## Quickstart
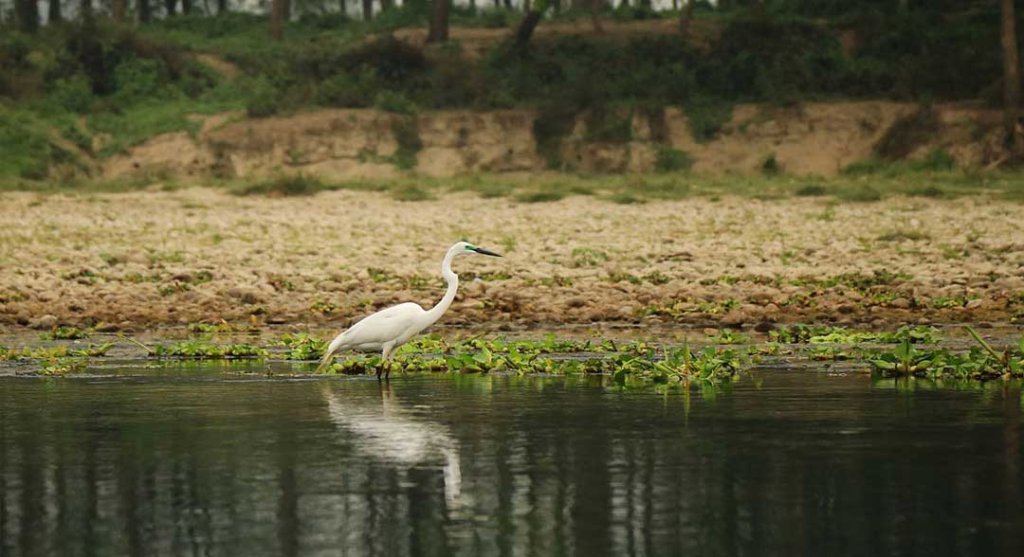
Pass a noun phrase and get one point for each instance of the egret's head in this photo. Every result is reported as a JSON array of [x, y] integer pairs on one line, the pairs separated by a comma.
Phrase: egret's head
[[466, 247]]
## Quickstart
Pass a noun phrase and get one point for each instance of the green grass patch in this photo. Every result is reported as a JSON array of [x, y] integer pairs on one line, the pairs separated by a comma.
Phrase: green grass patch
[[543, 196], [290, 185], [412, 192], [672, 160]]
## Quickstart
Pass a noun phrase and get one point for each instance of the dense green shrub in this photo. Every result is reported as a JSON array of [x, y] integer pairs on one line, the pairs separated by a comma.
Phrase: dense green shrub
[[926, 54], [672, 160], [774, 59], [133, 81], [24, 144]]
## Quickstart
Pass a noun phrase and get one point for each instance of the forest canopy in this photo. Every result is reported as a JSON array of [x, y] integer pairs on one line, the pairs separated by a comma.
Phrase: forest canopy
[[132, 70]]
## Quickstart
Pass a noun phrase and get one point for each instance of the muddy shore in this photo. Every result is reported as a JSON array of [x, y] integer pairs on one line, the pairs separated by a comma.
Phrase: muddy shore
[[142, 260]]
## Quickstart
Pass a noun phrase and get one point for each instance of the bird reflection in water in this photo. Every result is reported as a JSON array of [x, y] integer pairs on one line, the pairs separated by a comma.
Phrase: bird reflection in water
[[385, 432]]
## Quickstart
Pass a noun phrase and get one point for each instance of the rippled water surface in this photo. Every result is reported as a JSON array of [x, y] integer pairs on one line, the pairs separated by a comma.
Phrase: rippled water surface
[[789, 463]]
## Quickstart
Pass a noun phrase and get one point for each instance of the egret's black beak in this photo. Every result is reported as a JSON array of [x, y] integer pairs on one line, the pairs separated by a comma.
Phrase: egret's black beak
[[483, 251]]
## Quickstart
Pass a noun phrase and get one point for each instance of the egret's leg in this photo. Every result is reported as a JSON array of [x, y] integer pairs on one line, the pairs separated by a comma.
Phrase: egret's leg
[[386, 361]]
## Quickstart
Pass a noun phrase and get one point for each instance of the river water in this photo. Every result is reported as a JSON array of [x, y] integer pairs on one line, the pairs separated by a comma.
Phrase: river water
[[784, 462]]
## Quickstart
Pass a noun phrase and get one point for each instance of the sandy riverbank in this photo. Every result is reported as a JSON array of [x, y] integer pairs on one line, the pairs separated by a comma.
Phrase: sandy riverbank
[[145, 259]]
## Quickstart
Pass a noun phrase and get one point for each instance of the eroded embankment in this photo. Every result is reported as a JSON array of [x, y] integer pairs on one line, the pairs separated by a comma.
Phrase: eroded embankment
[[137, 260], [814, 138]]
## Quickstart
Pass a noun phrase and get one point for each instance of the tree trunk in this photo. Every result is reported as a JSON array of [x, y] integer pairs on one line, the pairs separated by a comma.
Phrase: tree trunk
[[145, 11], [277, 20], [1011, 79], [27, 12], [86, 7], [367, 10], [169, 6], [117, 10], [526, 27], [386, 5], [222, 7], [286, 11], [343, 6], [595, 14], [438, 22], [186, 7], [55, 14], [687, 16]]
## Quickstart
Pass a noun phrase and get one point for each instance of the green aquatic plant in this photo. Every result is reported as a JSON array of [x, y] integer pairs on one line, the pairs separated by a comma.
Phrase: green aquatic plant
[[980, 362], [64, 366], [1009, 363], [65, 332], [550, 344], [813, 334], [728, 336], [91, 350], [202, 350], [946, 302], [57, 360], [54, 352], [630, 360], [209, 328], [830, 353], [907, 360], [302, 346]]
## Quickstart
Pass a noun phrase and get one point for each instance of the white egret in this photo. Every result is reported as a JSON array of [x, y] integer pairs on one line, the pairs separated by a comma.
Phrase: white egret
[[392, 327]]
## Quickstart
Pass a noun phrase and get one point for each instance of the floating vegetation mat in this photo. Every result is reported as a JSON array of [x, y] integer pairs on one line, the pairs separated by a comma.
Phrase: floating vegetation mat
[[722, 356]]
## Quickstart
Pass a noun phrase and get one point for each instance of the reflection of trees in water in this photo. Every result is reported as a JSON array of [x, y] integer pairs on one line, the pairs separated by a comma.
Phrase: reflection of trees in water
[[288, 469]]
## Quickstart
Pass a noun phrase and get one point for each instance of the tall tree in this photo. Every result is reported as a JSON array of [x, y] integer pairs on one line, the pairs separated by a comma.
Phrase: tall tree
[[277, 19], [596, 7], [367, 10], [170, 6], [117, 10], [529, 23], [686, 17], [54, 12], [145, 10], [222, 7], [438, 32], [86, 7], [343, 6], [186, 7], [1011, 78], [27, 12], [386, 5]]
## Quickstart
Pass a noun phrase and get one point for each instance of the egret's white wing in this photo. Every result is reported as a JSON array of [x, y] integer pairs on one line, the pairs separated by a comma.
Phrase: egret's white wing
[[384, 326]]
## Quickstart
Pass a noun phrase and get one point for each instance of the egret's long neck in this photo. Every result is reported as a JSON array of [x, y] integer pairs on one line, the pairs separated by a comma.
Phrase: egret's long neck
[[452, 279]]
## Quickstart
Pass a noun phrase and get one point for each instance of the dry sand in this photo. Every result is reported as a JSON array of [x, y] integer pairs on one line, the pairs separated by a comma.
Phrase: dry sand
[[140, 260]]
